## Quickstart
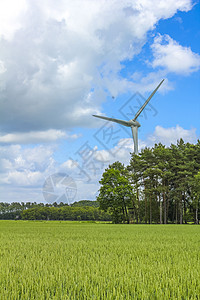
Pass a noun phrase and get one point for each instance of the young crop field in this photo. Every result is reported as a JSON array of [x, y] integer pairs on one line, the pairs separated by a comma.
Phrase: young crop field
[[72, 260]]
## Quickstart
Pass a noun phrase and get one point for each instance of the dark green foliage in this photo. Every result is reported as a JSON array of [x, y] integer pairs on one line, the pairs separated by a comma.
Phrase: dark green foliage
[[85, 203], [82, 210], [65, 213], [116, 193], [164, 178], [160, 185]]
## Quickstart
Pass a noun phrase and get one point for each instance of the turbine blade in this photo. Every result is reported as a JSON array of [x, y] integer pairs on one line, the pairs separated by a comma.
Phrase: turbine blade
[[147, 101], [135, 138], [125, 123]]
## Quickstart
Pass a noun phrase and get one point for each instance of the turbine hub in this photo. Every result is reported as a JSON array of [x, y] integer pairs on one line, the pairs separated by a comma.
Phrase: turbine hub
[[135, 123]]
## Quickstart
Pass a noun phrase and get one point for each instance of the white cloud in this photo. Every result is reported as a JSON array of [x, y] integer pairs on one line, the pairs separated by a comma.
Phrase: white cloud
[[146, 84], [2, 67], [16, 158], [170, 55], [35, 137], [10, 15], [59, 60], [27, 178], [25, 170], [69, 165], [170, 135]]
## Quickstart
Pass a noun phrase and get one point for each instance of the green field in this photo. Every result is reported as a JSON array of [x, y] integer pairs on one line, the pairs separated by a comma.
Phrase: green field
[[71, 260]]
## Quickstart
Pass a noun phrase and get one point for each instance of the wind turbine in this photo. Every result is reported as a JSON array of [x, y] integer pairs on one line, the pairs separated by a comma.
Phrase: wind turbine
[[132, 123]]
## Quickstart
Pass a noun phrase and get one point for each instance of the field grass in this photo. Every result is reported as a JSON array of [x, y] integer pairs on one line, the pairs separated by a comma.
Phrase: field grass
[[71, 260]]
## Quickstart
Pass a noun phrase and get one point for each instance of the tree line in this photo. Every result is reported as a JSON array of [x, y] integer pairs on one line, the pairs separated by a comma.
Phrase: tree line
[[160, 185], [82, 210]]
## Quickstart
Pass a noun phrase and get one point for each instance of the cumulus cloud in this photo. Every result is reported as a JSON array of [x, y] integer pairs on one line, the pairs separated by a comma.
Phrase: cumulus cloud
[[10, 15], [170, 55], [15, 157], [170, 135], [23, 172], [58, 61], [36, 137], [69, 164]]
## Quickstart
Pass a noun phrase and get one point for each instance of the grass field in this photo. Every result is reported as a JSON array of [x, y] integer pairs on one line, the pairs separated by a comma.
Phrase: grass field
[[71, 260]]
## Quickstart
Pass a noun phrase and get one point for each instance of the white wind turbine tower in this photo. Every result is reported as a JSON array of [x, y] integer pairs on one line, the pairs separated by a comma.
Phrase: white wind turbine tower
[[132, 123]]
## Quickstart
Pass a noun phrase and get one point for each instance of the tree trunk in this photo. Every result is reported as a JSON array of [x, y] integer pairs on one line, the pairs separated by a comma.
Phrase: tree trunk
[[126, 213], [181, 211], [167, 204], [124, 216], [165, 208], [160, 209], [176, 212], [138, 206], [184, 204], [196, 219], [150, 211], [145, 209]]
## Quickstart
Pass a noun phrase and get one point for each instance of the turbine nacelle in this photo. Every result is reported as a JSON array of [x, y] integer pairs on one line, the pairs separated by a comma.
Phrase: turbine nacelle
[[134, 123]]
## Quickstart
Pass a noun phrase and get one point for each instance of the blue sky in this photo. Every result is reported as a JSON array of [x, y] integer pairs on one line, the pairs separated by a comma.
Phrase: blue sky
[[59, 64]]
